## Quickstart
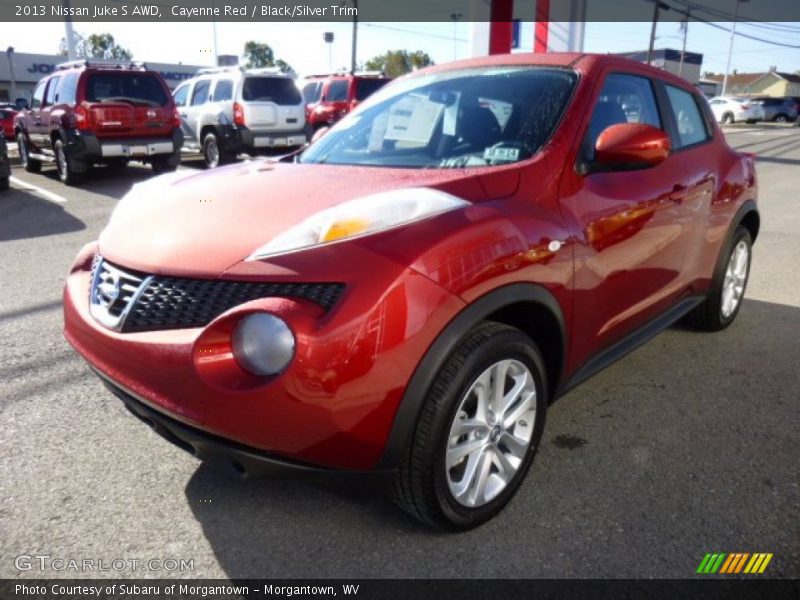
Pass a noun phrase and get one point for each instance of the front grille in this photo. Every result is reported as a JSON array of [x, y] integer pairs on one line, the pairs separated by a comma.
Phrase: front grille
[[173, 302]]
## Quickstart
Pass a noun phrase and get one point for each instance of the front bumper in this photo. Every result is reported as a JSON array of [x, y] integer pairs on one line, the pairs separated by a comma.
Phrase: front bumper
[[333, 407]]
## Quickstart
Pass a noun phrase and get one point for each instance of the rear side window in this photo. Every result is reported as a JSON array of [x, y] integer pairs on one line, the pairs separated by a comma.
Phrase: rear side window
[[623, 99], [138, 89], [337, 91], [280, 90], [688, 119], [5, 114], [312, 92], [181, 94], [223, 90], [38, 95], [200, 93], [366, 87], [68, 88], [51, 91]]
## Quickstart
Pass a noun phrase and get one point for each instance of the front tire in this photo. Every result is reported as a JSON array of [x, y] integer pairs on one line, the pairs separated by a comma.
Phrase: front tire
[[781, 118], [31, 165], [728, 286], [727, 119], [477, 432]]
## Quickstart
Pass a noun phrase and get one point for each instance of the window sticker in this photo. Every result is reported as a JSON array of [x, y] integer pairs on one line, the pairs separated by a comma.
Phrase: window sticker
[[413, 119]]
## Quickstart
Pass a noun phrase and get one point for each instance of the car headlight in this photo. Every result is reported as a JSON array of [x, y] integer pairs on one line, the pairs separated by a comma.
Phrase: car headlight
[[360, 217]]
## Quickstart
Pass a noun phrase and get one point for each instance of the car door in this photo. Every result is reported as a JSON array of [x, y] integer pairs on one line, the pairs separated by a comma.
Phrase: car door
[[46, 124], [34, 120], [628, 224], [181, 98], [195, 107]]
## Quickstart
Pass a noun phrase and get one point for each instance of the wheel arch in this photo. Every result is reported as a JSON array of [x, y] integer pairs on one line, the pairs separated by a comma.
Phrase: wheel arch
[[528, 307], [749, 218]]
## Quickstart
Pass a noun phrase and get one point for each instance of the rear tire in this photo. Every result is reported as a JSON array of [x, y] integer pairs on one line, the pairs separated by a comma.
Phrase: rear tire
[[464, 462], [727, 119], [726, 295], [31, 165], [66, 173], [213, 154], [781, 118]]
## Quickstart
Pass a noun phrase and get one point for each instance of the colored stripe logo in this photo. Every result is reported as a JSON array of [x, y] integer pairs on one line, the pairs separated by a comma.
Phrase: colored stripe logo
[[734, 562]]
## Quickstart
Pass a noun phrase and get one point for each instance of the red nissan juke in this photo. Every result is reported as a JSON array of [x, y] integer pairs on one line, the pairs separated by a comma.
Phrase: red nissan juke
[[406, 296]]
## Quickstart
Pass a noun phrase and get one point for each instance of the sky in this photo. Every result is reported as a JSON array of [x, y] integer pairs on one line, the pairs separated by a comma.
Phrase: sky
[[302, 45]]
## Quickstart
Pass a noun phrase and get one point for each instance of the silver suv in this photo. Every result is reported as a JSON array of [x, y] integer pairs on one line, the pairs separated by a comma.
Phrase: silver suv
[[227, 111]]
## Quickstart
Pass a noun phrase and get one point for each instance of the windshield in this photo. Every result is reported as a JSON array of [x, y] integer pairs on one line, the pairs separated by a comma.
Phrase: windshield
[[280, 90], [139, 89], [454, 119]]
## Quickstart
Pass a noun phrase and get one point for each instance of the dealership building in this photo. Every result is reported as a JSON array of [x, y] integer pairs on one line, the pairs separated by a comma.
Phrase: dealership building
[[19, 72]]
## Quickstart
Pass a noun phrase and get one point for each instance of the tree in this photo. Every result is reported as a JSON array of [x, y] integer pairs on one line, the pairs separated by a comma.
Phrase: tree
[[97, 45], [257, 55], [395, 63]]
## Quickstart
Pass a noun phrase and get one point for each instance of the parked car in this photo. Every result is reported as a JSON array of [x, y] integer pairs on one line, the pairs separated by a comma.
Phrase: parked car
[[88, 113], [405, 297], [7, 122], [330, 97], [227, 111], [5, 167], [780, 110], [731, 109]]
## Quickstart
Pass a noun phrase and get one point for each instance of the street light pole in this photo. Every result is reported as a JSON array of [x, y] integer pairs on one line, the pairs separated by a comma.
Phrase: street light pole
[[730, 46], [355, 37], [13, 90], [656, 4], [455, 17], [685, 27], [68, 33]]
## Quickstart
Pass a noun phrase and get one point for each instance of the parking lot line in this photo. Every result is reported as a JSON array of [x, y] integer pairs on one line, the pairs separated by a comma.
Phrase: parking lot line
[[28, 187]]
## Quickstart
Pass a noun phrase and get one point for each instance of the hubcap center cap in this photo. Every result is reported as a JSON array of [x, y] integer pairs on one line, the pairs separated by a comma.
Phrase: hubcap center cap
[[494, 434]]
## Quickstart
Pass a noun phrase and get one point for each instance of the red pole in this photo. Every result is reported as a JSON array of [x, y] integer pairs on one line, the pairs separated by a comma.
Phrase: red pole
[[500, 28], [542, 26]]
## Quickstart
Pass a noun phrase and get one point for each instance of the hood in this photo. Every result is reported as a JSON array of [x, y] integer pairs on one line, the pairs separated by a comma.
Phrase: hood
[[199, 224]]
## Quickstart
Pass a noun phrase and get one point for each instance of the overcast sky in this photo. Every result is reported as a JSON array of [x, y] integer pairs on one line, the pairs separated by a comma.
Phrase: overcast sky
[[302, 46]]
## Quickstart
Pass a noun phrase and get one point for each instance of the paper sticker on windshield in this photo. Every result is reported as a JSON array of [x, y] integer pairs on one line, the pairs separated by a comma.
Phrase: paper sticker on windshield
[[501, 154], [413, 119]]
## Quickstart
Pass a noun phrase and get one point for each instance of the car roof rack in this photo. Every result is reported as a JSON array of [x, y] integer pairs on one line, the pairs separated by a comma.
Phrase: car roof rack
[[95, 64], [346, 72], [257, 71]]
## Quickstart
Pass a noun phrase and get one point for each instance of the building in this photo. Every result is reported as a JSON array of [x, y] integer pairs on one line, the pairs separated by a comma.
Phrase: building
[[669, 59], [771, 83], [28, 69]]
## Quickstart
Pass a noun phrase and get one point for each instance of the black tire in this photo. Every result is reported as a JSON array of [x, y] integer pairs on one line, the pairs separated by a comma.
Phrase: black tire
[[66, 173], [4, 183], [781, 118], [162, 164], [421, 486], [213, 154], [728, 119], [31, 165], [709, 315]]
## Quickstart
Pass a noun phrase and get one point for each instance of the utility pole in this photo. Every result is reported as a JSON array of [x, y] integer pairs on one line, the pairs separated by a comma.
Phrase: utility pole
[[455, 17], [214, 33], [13, 90], [685, 28], [355, 38], [68, 33], [656, 6], [730, 46]]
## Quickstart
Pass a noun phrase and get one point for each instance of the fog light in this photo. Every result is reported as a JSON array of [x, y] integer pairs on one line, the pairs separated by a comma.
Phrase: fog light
[[263, 344]]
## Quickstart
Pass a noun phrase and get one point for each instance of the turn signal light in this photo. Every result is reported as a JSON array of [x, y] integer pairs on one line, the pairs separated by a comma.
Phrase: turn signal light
[[238, 114]]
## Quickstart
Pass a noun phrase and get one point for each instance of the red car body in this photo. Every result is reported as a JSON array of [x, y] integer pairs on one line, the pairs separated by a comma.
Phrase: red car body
[[589, 265], [7, 122], [331, 97]]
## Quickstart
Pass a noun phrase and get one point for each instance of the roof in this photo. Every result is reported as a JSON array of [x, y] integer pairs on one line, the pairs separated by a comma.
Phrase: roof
[[745, 79]]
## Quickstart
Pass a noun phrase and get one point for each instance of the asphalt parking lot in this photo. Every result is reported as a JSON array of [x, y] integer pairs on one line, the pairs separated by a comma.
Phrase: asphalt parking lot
[[689, 445]]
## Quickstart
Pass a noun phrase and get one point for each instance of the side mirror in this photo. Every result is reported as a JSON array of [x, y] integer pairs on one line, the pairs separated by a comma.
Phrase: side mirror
[[630, 146]]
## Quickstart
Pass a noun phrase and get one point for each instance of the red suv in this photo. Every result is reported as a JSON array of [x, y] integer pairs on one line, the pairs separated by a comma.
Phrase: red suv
[[86, 113], [7, 115], [330, 97], [407, 295]]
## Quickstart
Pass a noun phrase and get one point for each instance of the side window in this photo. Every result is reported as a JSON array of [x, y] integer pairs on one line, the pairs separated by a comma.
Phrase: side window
[[38, 95], [223, 90], [337, 91], [180, 95], [200, 94], [50, 97], [691, 125], [68, 89], [623, 99]]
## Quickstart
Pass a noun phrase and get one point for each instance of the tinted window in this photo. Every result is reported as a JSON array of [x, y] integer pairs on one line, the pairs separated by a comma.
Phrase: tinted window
[[6, 114], [690, 123], [38, 95], [200, 93], [312, 91], [139, 89], [366, 87], [337, 91], [51, 91], [280, 90], [454, 119], [180, 95], [623, 99], [68, 88], [223, 90]]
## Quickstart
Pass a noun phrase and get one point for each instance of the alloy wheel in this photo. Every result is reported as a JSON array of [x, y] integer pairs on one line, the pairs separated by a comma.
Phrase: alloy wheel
[[735, 279], [491, 433]]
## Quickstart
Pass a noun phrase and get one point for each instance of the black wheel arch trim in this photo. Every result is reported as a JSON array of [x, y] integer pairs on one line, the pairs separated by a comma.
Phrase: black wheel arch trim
[[416, 391], [749, 206]]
